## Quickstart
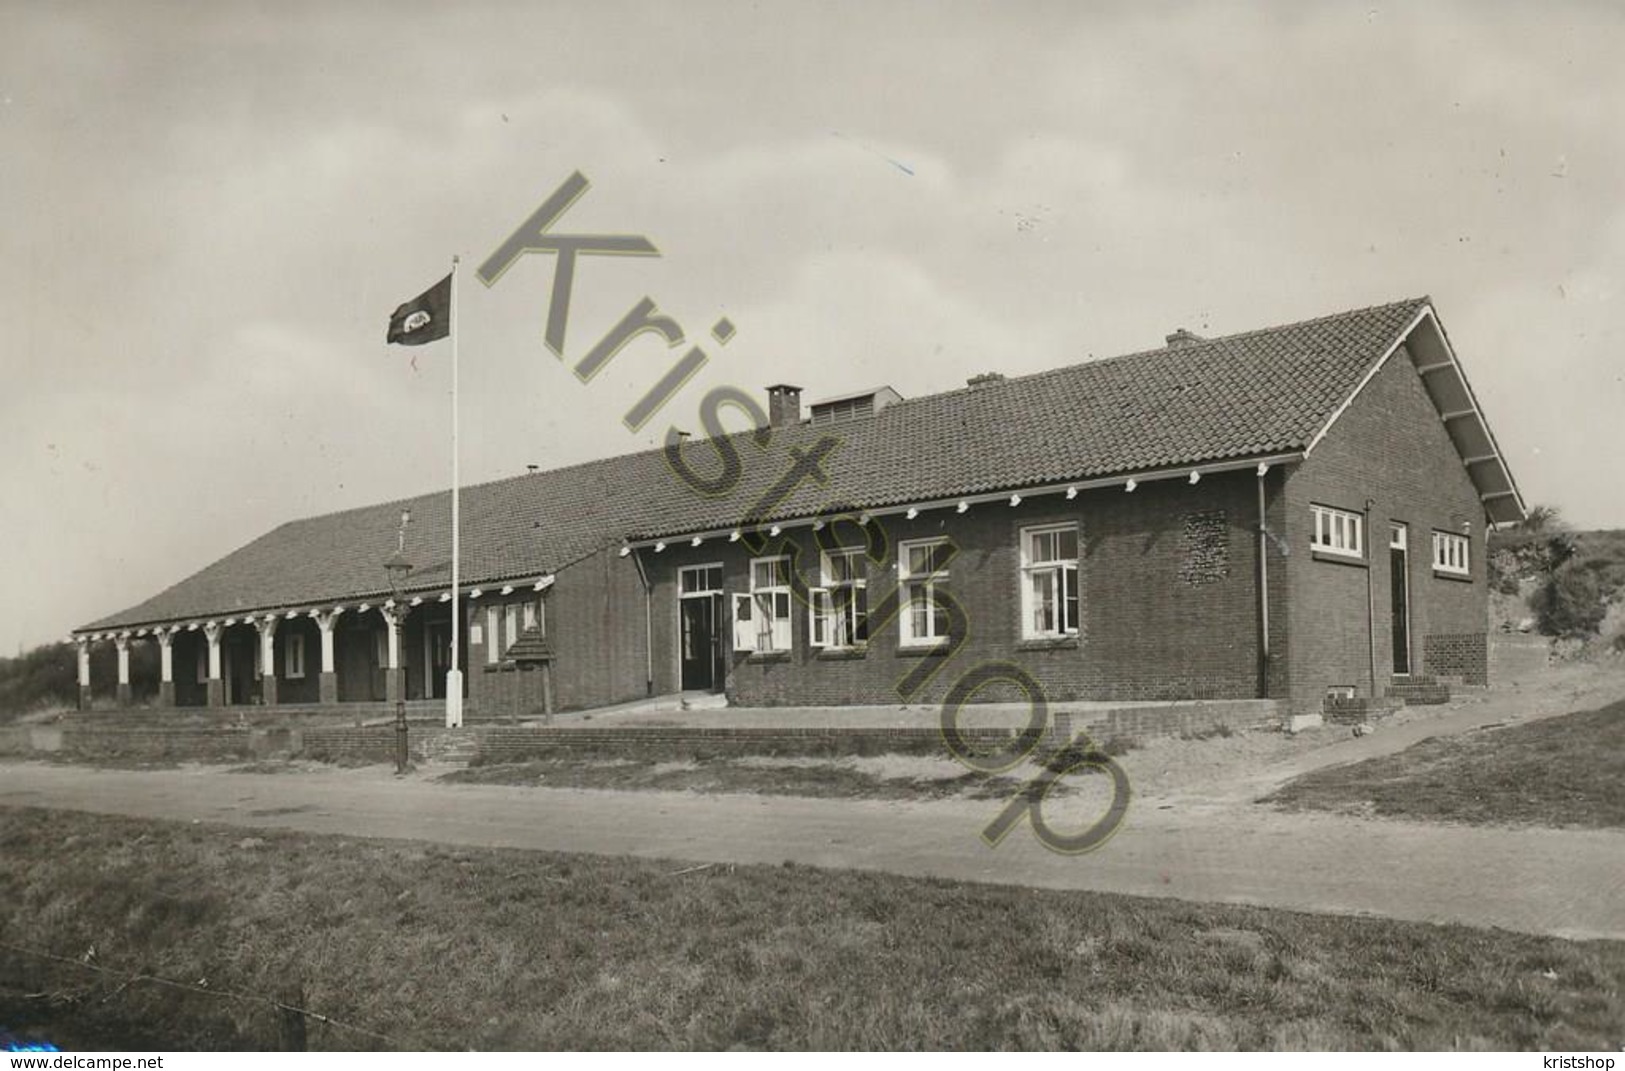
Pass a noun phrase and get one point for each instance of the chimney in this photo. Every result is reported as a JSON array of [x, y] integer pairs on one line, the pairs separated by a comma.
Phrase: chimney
[[783, 405], [984, 379], [1183, 337]]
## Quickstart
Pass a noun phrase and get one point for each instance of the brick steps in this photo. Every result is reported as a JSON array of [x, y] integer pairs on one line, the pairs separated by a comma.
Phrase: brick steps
[[1419, 690]]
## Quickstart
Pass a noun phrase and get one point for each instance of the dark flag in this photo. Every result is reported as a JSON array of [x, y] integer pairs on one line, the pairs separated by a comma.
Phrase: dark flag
[[425, 318]]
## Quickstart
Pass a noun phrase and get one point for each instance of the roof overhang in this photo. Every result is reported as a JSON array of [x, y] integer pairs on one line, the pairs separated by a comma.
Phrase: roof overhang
[[411, 596], [1434, 359], [1013, 496]]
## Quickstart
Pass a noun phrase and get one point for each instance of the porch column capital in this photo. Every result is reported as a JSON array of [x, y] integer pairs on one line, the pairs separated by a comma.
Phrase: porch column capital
[[325, 620], [267, 630], [211, 632], [121, 640], [394, 617], [166, 653]]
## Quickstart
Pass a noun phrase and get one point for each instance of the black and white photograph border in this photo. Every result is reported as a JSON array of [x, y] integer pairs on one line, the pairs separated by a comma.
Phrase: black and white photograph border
[[899, 526]]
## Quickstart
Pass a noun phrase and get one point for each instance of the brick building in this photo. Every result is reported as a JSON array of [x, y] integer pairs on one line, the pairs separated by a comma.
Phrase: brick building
[[1287, 513]]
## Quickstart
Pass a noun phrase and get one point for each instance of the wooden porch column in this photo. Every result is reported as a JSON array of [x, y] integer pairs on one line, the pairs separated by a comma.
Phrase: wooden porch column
[[394, 678], [122, 642], [216, 686], [83, 643], [166, 666], [267, 630], [328, 682]]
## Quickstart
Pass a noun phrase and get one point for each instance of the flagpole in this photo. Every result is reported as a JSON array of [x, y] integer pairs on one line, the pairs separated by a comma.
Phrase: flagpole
[[454, 675]]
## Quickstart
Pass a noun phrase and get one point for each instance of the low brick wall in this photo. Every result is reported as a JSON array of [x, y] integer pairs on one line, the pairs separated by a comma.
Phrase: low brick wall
[[372, 743], [149, 743], [1462, 655]]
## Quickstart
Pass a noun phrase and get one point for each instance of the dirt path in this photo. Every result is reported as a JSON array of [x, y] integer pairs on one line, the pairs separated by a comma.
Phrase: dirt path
[[1201, 773], [1569, 883]]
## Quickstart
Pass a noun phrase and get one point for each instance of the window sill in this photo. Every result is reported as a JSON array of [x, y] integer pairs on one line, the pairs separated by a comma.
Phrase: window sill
[[1340, 559], [1460, 578], [924, 650], [768, 656], [1049, 643], [842, 654]]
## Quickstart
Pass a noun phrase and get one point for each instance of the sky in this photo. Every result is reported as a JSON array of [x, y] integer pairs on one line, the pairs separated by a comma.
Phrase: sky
[[211, 210]]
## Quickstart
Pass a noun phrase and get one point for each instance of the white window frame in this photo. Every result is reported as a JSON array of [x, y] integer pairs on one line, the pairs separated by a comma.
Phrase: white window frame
[[838, 610], [1337, 531], [926, 583], [510, 621], [492, 621], [772, 603], [744, 622], [293, 656], [704, 587], [1452, 553], [1061, 574]]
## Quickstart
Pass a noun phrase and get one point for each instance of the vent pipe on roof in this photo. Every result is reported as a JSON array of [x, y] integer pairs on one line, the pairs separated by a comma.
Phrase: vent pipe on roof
[[783, 405], [1182, 337]]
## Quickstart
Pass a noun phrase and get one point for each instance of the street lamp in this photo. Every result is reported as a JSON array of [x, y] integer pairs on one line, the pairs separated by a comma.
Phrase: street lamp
[[399, 568]]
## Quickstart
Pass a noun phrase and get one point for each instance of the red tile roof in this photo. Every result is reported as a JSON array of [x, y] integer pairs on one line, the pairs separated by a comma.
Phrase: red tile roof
[[1255, 394]]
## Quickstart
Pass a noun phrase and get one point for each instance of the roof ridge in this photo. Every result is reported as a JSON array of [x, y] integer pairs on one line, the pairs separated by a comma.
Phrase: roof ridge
[[1096, 362]]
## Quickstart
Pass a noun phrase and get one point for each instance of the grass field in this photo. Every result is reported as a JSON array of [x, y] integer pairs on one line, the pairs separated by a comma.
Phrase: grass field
[[1563, 771], [422, 946]]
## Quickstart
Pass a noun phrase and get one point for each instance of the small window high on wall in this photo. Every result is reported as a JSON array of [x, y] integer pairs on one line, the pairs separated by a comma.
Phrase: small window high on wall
[[1338, 531]]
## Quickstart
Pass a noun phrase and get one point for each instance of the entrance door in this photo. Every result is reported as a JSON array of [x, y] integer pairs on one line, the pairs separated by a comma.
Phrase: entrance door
[[1399, 583], [439, 658], [239, 653], [700, 637]]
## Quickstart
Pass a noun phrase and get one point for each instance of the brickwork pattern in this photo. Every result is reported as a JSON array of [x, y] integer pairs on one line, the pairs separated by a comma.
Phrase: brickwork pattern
[[1145, 633], [1391, 448], [1207, 548], [1463, 655]]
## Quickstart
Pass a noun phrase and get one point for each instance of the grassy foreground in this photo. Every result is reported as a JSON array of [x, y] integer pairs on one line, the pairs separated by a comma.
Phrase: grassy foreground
[[444, 947], [1563, 771]]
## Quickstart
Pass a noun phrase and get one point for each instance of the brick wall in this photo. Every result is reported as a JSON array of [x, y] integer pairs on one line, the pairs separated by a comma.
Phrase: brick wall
[[1464, 655], [195, 745], [1169, 606], [596, 627], [1391, 447], [594, 613]]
